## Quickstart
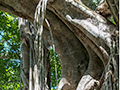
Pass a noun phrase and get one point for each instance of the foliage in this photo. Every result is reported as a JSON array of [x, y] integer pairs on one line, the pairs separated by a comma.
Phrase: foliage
[[9, 52], [112, 20], [54, 57], [9, 55]]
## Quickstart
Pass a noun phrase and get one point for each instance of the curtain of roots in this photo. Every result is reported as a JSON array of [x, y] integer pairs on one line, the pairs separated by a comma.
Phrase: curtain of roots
[[40, 57]]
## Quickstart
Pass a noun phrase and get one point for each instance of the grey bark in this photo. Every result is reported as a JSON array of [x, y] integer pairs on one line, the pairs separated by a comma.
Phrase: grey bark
[[82, 39], [30, 72]]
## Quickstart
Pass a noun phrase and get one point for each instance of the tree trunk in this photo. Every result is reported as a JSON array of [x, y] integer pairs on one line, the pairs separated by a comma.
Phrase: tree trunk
[[31, 68], [82, 40]]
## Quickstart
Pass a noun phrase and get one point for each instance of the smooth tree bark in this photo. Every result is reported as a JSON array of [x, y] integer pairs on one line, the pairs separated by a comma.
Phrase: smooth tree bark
[[82, 41]]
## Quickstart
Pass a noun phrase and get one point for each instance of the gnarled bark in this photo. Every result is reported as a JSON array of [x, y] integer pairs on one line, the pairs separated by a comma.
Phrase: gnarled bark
[[82, 39]]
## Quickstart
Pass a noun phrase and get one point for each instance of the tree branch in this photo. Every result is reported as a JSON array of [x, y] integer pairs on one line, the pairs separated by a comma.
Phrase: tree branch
[[14, 73]]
